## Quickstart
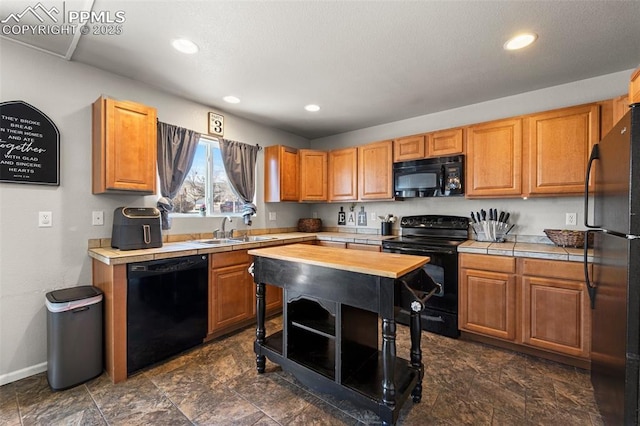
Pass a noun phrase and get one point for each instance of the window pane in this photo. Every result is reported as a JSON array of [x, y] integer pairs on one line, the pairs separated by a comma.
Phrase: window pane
[[191, 196], [206, 185]]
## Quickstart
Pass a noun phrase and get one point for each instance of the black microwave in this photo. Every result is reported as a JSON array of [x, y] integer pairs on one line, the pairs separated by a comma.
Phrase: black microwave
[[431, 177]]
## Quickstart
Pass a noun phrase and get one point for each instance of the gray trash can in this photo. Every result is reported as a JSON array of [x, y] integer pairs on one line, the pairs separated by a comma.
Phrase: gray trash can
[[74, 336]]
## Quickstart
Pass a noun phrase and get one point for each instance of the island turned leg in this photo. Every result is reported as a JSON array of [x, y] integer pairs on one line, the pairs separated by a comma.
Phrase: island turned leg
[[416, 353], [388, 362], [260, 331]]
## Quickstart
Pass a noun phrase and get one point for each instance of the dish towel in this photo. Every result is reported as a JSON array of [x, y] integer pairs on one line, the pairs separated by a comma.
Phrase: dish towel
[[248, 210], [165, 206]]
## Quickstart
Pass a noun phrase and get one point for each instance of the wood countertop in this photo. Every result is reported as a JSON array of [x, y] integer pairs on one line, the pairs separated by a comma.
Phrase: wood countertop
[[389, 265]]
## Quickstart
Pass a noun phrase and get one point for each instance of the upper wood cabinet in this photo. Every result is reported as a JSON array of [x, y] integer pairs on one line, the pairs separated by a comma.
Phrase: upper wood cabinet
[[611, 111], [559, 144], [634, 87], [444, 142], [313, 175], [124, 147], [281, 176], [343, 174], [409, 148], [375, 171], [494, 159]]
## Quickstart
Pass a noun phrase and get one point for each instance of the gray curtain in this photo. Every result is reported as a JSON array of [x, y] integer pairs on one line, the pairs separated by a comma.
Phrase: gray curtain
[[176, 149], [240, 164]]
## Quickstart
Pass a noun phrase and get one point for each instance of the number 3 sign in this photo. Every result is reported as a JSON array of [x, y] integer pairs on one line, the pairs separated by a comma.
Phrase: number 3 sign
[[216, 124]]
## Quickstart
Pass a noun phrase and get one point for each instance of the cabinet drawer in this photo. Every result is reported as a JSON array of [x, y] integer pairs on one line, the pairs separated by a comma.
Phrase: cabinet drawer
[[336, 244], [236, 257], [488, 263], [360, 246], [553, 269]]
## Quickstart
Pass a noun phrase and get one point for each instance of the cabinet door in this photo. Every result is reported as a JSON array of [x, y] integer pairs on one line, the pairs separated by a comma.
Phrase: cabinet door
[[559, 144], [634, 87], [231, 293], [313, 175], [487, 303], [409, 148], [281, 174], [375, 171], [444, 142], [124, 146], [556, 315], [335, 244], [343, 174], [494, 159]]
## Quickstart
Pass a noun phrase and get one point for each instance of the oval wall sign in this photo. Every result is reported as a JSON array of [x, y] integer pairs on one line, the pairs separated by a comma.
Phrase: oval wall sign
[[29, 145]]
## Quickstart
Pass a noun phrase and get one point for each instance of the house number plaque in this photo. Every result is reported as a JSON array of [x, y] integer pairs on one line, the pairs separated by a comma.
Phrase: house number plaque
[[216, 124]]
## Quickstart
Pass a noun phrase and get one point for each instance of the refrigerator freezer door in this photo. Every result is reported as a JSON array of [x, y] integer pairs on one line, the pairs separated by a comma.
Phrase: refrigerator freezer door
[[617, 193], [616, 328]]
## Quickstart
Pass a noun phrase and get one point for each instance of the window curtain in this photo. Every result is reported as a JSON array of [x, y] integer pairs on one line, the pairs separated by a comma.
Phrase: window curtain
[[239, 161], [176, 150]]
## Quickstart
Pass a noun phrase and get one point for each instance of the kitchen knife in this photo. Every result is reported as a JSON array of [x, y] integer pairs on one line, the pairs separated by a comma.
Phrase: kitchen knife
[[501, 217], [484, 214], [490, 214], [473, 218], [506, 217], [495, 214]]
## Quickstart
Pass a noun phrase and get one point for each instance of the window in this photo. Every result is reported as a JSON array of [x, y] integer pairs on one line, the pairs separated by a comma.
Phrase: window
[[206, 189]]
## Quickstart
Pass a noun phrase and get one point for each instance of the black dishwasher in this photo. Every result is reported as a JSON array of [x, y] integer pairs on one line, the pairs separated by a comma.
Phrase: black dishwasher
[[166, 308]]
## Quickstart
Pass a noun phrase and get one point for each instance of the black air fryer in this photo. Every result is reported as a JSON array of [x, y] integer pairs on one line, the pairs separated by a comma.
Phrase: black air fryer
[[136, 228]]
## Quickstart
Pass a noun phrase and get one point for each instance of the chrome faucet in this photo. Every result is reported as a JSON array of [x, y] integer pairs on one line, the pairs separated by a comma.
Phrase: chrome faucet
[[224, 221]]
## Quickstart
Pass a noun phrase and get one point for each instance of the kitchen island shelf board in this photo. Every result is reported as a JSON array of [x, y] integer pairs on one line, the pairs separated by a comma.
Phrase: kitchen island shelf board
[[333, 300]]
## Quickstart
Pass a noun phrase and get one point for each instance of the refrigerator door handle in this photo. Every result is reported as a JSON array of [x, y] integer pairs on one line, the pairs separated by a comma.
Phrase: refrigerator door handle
[[591, 286], [595, 155]]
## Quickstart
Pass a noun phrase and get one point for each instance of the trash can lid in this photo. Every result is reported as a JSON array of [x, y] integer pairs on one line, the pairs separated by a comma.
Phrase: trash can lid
[[73, 293]]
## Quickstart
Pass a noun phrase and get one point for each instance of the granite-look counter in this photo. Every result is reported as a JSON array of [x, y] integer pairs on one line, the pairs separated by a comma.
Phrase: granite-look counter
[[102, 251], [533, 250]]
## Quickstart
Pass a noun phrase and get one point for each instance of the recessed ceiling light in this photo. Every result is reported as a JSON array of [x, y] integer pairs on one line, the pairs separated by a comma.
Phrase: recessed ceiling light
[[184, 45], [312, 108], [520, 41], [231, 99]]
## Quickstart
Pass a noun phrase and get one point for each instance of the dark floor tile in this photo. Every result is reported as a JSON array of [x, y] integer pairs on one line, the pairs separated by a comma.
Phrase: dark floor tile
[[9, 414], [135, 401]]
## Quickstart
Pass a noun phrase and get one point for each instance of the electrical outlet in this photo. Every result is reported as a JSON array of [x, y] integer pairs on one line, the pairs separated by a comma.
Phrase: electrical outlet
[[272, 216], [571, 219], [97, 218], [374, 216], [315, 215], [45, 220]]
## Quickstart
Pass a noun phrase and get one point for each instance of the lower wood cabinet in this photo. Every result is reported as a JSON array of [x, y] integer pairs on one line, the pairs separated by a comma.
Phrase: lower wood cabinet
[[537, 304], [353, 246], [232, 299], [487, 295], [555, 307]]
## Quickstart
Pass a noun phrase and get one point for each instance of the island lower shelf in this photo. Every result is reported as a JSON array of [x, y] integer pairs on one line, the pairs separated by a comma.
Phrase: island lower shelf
[[365, 367]]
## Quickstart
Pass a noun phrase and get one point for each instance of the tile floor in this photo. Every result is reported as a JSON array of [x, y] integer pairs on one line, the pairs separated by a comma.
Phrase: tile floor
[[216, 384]]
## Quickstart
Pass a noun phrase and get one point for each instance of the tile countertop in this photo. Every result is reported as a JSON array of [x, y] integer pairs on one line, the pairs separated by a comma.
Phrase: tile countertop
[[535, 250], [110, 256], [106, 254]]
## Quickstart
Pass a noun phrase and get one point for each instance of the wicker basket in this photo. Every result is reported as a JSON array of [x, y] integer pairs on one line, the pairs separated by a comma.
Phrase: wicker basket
[[566, 238], [309, 225]]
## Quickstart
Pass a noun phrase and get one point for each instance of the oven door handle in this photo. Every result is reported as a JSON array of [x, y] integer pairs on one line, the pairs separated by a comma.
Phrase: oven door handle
[[417, 252]]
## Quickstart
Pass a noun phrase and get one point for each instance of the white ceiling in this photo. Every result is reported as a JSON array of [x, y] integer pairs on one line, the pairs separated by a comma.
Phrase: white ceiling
[[364, 62]]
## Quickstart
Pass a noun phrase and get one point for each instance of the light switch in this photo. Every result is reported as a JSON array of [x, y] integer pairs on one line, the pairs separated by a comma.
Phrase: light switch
[[97, 218], [272, 215]]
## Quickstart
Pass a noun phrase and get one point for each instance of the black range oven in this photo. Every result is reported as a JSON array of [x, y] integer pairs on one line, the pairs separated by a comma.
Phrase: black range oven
[[437, 237]]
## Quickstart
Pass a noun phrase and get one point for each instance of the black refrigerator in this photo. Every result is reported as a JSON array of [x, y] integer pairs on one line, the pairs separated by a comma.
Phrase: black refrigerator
[[614, 285]]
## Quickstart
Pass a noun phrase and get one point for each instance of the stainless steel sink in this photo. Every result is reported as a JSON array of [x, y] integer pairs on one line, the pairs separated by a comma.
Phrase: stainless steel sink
[[253, 238], [218, 241]]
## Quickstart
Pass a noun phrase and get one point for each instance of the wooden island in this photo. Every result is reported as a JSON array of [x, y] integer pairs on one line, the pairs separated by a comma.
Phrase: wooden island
[[334, 299]]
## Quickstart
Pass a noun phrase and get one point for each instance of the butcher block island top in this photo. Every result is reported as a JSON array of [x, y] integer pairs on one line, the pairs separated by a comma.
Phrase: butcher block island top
[[390, 265]]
